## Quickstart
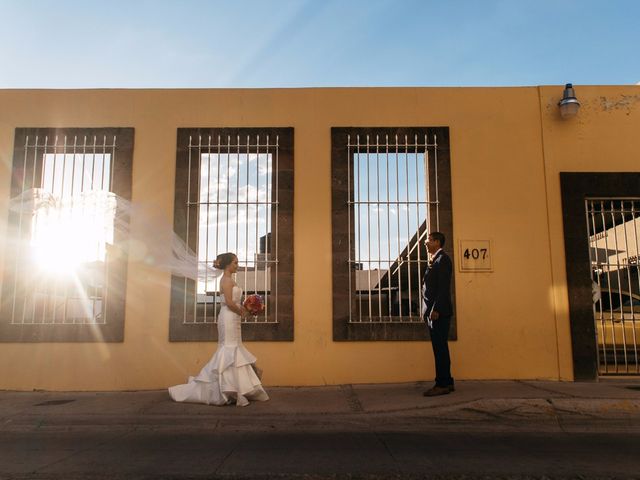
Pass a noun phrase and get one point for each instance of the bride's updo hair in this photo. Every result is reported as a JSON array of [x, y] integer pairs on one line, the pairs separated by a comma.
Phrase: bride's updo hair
[[223, 260]]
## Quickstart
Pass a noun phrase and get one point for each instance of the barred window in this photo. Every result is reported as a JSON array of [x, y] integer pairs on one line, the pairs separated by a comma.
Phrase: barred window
[[65, 273], [390, 188], [234, 193], [601, 244], [613, 228]]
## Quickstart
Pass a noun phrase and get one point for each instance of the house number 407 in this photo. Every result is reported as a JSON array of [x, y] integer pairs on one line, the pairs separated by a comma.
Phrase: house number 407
[[475, 253], [475, 256]]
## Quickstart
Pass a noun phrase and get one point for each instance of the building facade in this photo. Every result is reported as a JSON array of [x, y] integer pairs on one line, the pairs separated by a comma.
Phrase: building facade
[[326, 195]]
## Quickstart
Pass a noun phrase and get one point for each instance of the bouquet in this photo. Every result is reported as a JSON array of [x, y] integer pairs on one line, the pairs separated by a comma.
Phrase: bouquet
[[254, 304]]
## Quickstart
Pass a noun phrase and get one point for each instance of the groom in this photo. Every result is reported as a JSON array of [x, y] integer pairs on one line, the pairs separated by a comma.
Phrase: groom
[[437, 311]]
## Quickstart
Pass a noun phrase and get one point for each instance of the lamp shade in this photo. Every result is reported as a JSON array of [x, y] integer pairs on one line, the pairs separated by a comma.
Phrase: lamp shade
[[569, 105]]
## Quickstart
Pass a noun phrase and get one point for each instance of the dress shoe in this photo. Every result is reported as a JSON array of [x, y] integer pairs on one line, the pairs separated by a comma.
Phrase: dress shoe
[[435, 391]]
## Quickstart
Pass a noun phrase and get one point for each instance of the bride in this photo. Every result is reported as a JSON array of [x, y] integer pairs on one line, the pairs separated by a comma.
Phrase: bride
[[231, 375]]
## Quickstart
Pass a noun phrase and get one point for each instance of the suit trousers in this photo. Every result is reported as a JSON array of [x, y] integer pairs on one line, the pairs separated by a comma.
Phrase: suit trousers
[[439, 343]]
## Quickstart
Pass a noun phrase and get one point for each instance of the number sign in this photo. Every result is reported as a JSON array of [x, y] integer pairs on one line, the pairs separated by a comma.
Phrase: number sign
[[475, 256]]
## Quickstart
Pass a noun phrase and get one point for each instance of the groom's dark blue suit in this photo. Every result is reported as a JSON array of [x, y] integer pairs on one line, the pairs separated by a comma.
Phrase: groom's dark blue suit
[[437, 297]]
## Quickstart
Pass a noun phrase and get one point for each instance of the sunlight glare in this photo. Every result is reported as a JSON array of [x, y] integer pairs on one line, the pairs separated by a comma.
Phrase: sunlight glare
[[72, 233]]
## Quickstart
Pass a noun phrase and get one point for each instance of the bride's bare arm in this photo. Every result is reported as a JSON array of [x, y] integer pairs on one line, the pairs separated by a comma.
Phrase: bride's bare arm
[[226, 285]]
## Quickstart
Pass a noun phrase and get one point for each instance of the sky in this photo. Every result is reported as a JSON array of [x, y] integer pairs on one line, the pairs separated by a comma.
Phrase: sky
[[245, 181], [390, 196], [316, 43]]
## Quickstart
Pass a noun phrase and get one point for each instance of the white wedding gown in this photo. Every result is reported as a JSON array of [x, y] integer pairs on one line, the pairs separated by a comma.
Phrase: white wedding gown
[[229, 375]]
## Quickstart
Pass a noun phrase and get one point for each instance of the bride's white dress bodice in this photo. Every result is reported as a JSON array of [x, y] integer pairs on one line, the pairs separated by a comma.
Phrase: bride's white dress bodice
[[236, 294], [229, 323]]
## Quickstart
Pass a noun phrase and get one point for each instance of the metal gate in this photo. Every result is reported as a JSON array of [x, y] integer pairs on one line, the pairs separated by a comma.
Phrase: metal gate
[[614, 240]]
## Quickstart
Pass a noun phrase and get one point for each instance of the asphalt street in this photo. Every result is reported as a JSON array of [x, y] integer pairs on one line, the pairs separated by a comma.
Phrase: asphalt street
[[483, 430]]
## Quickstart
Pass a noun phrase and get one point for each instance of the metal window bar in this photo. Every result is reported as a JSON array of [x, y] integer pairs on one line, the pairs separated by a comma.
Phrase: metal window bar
[[390, 211], [236, 176], [60, 298], [398, 239], [613, 226]]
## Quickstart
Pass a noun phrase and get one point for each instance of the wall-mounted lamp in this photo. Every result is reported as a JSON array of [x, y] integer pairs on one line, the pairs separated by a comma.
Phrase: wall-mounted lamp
[[569, 104]]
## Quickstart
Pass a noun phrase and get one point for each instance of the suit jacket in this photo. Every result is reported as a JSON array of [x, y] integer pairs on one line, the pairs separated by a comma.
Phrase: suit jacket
[[437, 286]]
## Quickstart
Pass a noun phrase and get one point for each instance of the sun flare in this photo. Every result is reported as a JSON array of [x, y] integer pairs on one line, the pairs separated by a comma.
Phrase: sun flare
[[72, 233]]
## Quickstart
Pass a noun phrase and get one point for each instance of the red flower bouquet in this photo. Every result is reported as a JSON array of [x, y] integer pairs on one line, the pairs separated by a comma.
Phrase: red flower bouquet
[[254, 304]]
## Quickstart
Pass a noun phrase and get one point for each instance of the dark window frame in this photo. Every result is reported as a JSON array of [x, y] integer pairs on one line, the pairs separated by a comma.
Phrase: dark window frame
[[575, 187], [196, 332], [113, 330], [342, 329]]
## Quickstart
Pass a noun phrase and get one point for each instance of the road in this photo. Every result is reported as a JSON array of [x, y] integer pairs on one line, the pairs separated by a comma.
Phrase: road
[[514, 430]]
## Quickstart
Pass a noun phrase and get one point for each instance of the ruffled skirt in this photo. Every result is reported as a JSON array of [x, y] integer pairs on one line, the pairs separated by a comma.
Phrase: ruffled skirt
[[229, 377]]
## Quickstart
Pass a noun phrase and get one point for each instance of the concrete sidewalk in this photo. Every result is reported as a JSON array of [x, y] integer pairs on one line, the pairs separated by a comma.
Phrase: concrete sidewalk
[[534, 405], [495, 428]]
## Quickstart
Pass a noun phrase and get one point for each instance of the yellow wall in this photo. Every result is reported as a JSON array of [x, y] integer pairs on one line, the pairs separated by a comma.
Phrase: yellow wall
[[604, 137], [508, 146]]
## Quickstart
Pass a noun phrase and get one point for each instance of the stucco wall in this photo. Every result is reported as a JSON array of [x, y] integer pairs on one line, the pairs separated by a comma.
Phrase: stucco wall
[[508, 146], [602, 138]]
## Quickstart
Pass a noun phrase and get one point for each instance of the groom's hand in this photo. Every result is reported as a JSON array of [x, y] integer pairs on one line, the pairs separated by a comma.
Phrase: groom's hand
[[434, 315]]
